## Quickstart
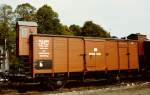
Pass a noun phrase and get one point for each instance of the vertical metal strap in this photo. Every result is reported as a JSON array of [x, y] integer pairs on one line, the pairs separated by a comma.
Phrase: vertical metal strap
[[53, 56], [68, 57]]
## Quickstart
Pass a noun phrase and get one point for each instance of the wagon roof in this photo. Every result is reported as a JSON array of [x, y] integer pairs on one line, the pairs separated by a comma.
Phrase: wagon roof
[[81, 37], [50, 35], [27, 23]]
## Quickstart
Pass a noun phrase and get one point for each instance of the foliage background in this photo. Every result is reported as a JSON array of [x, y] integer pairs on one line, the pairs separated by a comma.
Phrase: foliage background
[[48, 23]]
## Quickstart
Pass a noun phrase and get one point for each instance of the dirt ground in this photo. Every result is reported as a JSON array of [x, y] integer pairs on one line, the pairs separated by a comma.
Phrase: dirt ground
[[123, 89], [132, 90]]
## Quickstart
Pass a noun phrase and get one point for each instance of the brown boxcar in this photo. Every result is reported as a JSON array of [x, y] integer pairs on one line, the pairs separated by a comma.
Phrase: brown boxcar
[[65, 54], [24, 29]]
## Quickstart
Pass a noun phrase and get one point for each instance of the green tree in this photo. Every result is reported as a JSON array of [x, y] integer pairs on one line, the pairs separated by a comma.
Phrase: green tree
[[76, 29], [66, 30], [114, 37], [5, 20], [25, 12], [5, 13], [6, 31], [48, 21], [93, 30]]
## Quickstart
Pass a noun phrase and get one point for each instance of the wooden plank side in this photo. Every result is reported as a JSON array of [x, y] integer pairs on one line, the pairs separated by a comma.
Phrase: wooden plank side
[[60, 55], [111, 55], [133, 55], [76, 53], [42, 48], [95, 55], [123, 55]]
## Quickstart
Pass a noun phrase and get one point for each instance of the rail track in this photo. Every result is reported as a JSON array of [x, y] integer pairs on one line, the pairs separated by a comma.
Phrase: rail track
[[74, 86]]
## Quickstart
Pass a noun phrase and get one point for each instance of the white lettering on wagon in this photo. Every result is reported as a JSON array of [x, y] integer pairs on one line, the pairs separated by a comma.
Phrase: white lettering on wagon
[[43, 46], [95, 52]]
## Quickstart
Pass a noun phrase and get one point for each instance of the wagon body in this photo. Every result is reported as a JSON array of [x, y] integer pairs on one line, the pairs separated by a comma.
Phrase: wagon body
[[65, 54]]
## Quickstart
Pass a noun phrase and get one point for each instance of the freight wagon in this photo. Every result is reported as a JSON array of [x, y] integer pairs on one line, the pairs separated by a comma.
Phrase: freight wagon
[[54, 59], [82, 57]]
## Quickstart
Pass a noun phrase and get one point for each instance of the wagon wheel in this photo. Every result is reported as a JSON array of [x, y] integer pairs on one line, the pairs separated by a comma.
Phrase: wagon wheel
[[61, 84], [57, 84]]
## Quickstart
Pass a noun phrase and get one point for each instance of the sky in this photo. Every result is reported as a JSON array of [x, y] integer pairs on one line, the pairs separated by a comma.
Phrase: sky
[[119, 17]]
